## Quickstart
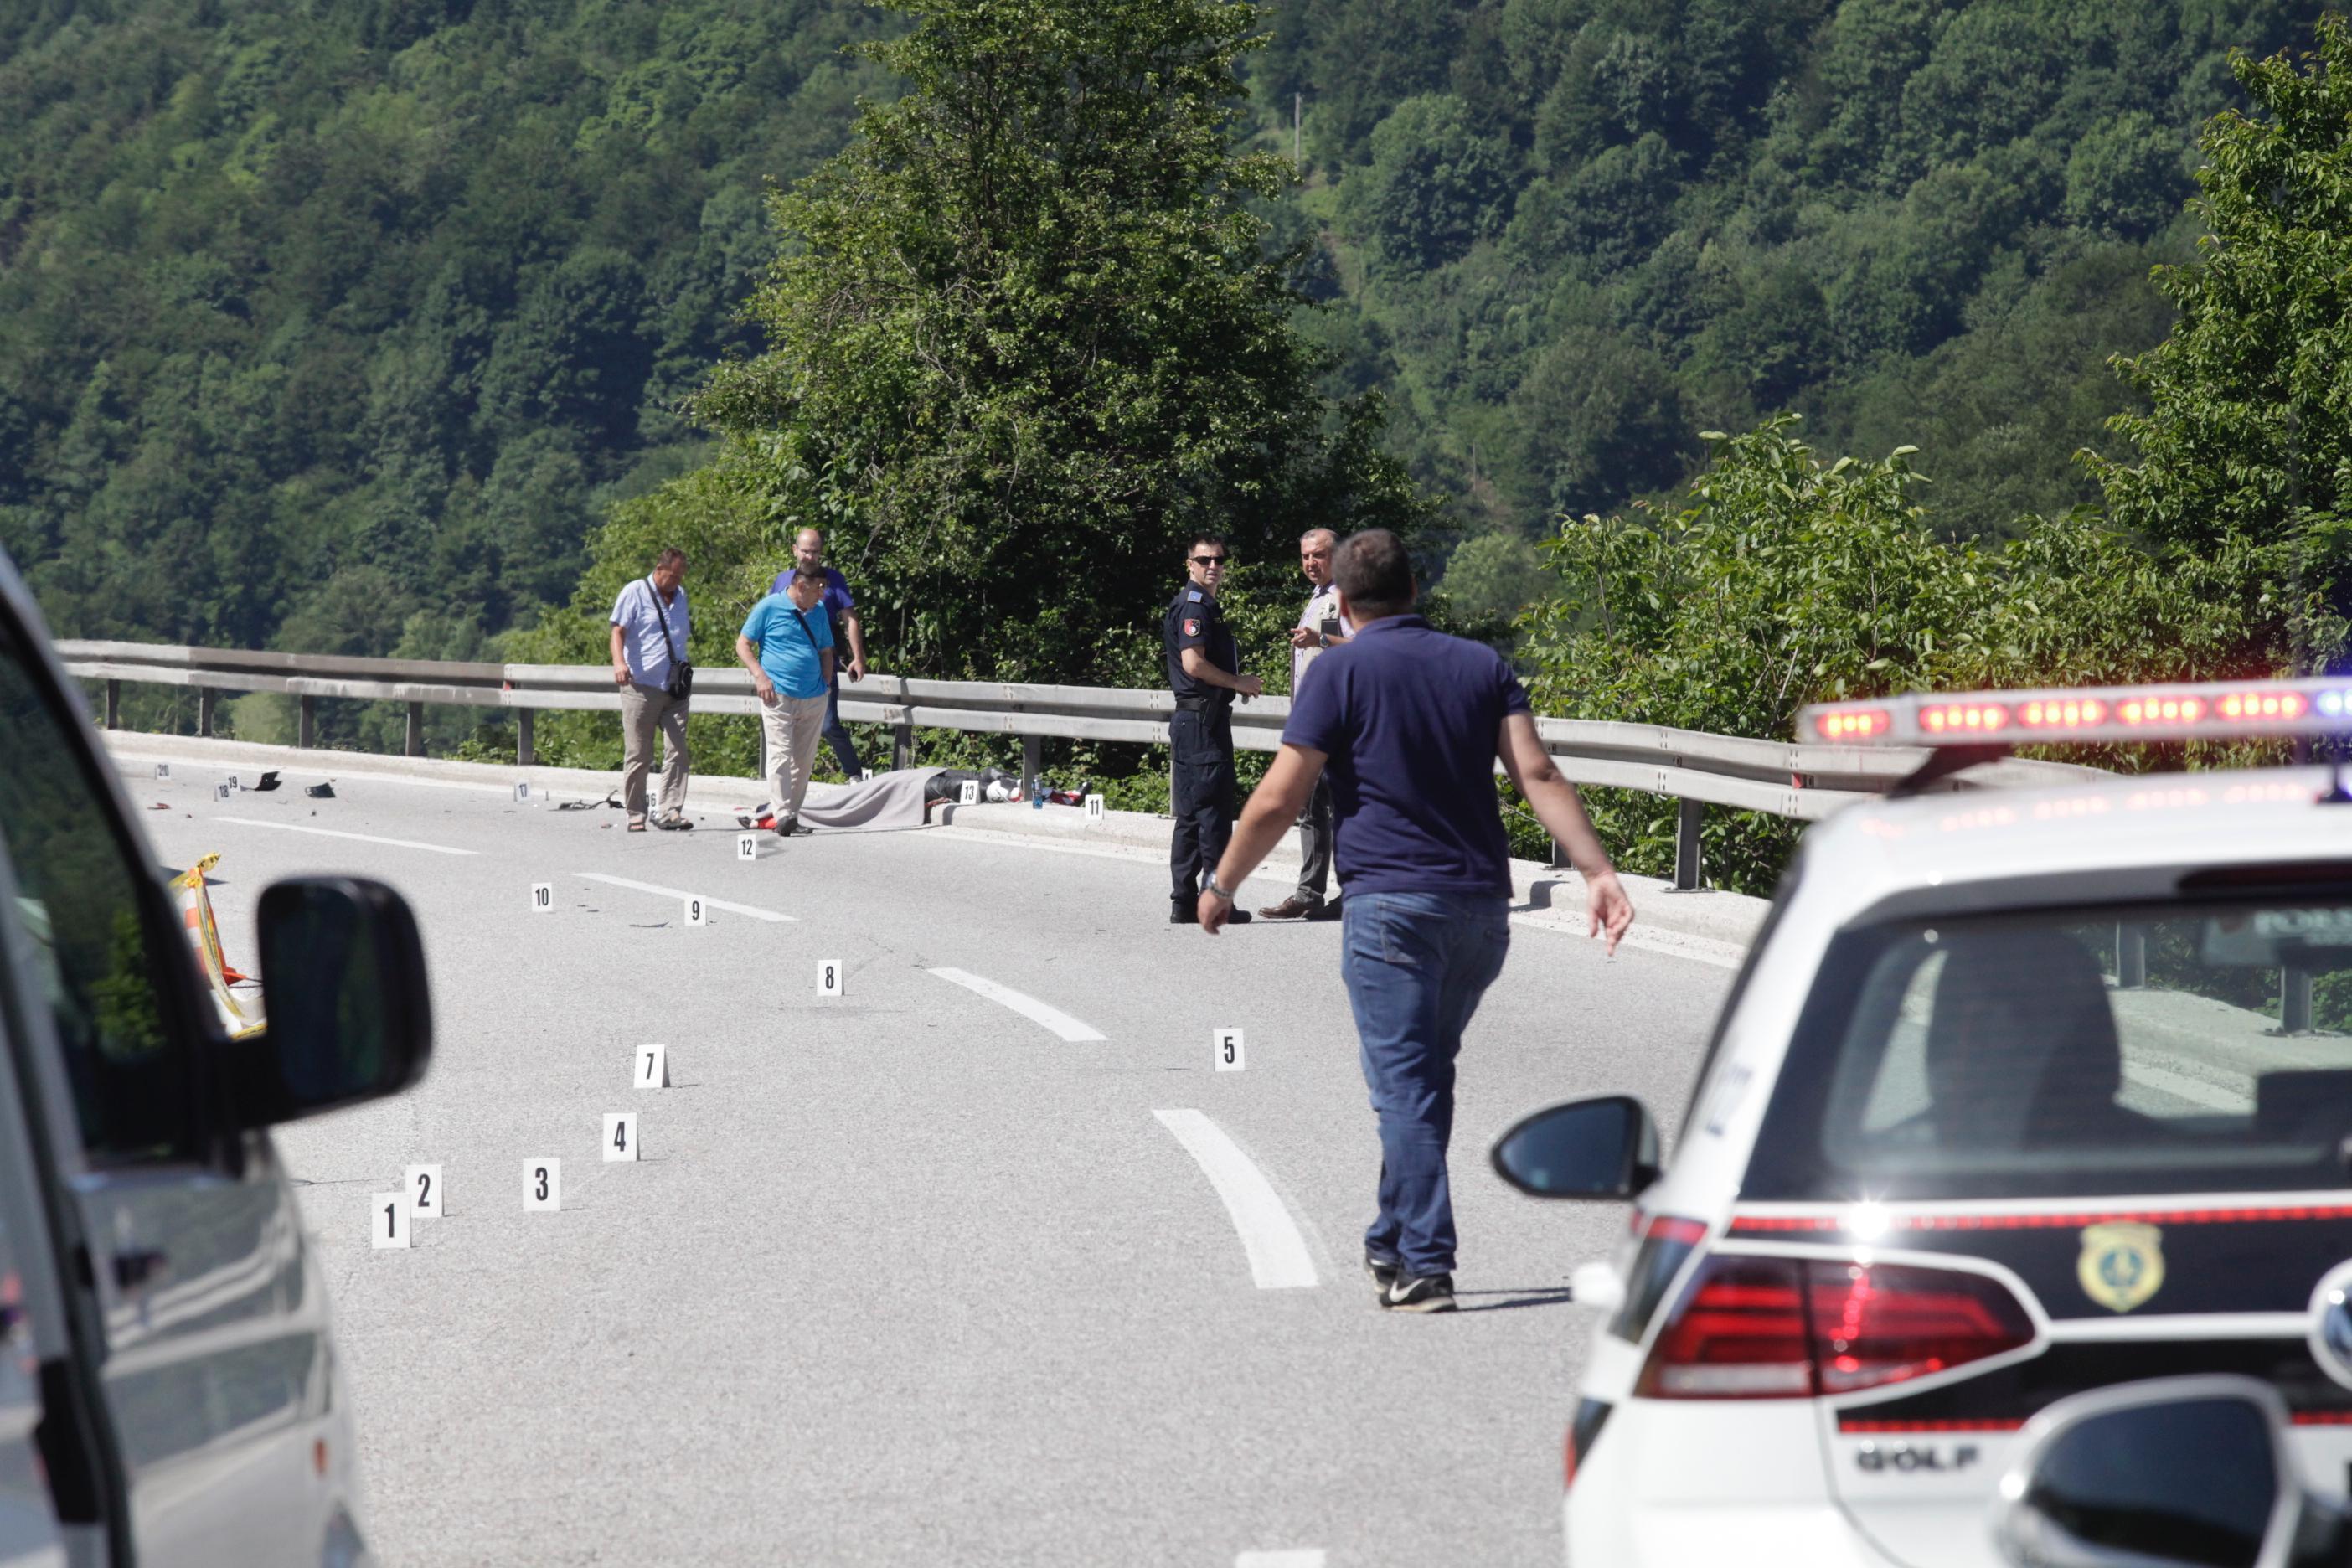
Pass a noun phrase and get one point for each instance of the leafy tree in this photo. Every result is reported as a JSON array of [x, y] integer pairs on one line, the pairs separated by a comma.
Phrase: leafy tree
[[1787, 580], [1434, 185], [1025, 335], [2247, 441]]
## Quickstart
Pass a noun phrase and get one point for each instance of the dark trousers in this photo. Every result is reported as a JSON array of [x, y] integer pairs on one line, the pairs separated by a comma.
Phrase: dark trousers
[[836, 735], [1415, 965], [1315, 841], [1202, 798]]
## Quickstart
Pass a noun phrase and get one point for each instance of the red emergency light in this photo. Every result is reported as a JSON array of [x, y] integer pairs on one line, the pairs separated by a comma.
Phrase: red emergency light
[[2188, 711]]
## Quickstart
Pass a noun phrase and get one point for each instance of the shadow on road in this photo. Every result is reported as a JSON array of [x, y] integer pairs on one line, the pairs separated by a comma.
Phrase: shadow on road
[[1555, 1295]]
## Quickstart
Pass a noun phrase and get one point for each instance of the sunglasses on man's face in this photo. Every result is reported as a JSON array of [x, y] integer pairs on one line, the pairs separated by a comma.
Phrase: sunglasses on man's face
[[1209, 560]]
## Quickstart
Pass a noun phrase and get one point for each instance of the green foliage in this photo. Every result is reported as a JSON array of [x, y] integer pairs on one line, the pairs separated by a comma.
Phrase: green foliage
[[317, 318], [1787, 580], [2247, 441], [1026, 334], [1901, 218]]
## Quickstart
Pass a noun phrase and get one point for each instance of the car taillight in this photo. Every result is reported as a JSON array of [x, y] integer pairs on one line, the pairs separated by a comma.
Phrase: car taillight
[[1738, 1332], [1880, 1325], [1591, 1416], [1785, 1328]]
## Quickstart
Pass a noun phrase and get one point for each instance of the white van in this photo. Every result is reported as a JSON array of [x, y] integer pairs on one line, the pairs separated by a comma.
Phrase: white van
[[168, 1393]]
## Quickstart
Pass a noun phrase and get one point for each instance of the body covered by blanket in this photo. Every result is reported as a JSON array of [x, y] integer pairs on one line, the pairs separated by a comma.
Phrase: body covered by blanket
[[879, 805]]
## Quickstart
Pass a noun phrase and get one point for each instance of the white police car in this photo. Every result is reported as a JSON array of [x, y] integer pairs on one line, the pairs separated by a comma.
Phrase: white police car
[[2003, 1108]]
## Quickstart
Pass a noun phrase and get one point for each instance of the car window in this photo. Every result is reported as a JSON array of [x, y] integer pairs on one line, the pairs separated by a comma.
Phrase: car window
[[78, 901], [2069, 1053]]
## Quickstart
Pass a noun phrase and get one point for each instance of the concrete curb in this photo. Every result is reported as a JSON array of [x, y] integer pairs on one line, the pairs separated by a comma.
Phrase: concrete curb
[[1711, 927]]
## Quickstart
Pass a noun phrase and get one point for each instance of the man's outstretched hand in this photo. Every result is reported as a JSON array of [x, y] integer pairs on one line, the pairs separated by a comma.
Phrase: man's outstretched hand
[[1612, 910]]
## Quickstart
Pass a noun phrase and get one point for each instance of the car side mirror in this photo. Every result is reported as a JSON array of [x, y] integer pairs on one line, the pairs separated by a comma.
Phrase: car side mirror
[[2186, 1471], [350, 1017], [1604, 1146]]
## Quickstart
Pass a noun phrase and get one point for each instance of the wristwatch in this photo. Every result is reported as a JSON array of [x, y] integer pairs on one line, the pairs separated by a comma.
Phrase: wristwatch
[[1224, 893]]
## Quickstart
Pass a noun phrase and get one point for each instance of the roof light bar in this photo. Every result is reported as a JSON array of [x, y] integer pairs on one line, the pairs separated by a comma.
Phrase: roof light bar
[[2190, 712]]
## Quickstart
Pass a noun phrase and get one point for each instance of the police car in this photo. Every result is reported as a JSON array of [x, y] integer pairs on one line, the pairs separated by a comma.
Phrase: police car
[[2019, 1095]]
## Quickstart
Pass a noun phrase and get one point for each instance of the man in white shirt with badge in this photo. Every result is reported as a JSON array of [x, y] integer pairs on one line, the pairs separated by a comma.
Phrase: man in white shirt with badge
[[1321, 625]]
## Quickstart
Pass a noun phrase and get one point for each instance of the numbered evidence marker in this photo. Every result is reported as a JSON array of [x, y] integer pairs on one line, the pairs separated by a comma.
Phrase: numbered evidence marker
[[220, 791], [542, 1185], [542, 898], [651, 1064], [747, 846], [388, 1219], [620, 1135], [968, 793], [695, 915], [522, 792], [233, 784], [1229, 1049], [424, 1184], [1093, 809], [829, 977], [163, 769]]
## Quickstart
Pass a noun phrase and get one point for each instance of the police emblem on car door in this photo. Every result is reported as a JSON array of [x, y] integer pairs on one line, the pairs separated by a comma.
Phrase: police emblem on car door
[[2122, 1264]]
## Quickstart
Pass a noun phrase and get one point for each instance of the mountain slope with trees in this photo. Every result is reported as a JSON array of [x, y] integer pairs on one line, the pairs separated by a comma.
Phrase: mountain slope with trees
[[341, 326]]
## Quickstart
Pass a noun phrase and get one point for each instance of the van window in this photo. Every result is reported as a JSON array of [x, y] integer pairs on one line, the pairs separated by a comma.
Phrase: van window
[[2069, 1053], [78, 901]]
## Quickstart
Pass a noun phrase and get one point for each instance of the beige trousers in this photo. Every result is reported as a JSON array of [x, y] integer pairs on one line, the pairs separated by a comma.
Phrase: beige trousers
[[646, 710], [793, 727]]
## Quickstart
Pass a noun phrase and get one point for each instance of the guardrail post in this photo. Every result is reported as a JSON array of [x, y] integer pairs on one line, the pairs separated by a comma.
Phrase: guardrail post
[[114, 705], [306, 731], [1687, 821], [416, 743], [204, 696], [2294, 1001], [1032, 762], [526, 749], [902, 746], [1558, 855], [2131, 958]]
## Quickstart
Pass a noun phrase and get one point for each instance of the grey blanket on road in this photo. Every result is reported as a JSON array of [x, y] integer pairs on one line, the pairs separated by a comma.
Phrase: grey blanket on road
[[882, 803]]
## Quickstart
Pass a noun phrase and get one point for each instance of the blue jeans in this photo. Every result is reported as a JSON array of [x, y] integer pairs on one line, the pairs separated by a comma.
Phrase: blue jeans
[[1415, 965]]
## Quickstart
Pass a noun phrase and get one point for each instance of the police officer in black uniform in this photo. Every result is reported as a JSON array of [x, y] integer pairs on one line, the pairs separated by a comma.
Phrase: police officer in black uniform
[[1205, 673]]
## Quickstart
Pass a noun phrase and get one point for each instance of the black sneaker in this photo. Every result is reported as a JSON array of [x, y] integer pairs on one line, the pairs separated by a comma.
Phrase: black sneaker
[[1384, 1272], [1180, 913], [1419, 1293]]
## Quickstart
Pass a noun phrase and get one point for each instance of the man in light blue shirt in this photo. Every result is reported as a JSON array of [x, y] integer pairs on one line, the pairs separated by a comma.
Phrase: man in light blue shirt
[[649, 627], [787, 645]]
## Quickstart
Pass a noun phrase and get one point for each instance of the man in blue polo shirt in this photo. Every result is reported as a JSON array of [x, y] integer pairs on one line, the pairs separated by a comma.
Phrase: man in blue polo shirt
[[848, 633], [1409, 723], [788, 647]]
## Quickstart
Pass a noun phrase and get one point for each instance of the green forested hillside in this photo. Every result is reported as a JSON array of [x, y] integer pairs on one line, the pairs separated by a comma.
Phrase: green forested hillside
[[339, 324], [1569, 234]]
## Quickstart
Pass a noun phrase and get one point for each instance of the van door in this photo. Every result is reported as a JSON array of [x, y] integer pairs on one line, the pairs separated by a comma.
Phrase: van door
[[36, 1348], [216, 1369]]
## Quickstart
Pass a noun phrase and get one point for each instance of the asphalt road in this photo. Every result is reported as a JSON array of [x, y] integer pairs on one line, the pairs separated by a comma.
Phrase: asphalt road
[[906, 1277]]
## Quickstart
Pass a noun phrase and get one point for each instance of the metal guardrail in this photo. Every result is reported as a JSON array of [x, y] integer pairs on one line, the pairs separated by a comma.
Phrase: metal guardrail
[[1697, 769]]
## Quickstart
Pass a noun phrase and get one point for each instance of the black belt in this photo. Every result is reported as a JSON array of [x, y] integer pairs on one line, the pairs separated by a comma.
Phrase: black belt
[[1202, 704]]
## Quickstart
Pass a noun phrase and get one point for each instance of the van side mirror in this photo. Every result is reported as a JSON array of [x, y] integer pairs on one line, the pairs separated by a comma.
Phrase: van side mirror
[[2186, 1471], [350, 1017], [1604, 1146]]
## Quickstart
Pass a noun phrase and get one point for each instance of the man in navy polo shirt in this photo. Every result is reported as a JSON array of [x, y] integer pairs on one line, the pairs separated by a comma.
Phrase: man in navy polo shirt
[[1409, 722]]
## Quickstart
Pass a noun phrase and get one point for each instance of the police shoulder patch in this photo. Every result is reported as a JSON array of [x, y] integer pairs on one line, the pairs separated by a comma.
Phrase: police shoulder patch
[[1192, 594], [1191, 628]]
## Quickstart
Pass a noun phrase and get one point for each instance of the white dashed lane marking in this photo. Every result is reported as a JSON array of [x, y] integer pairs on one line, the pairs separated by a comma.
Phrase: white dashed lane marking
[[332, 833], [1072, 1029], [753, 911], [1278, 1258]]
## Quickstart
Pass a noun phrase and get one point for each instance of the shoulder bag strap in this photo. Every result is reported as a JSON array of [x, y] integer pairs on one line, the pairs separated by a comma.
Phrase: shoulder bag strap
[[662, 610]]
